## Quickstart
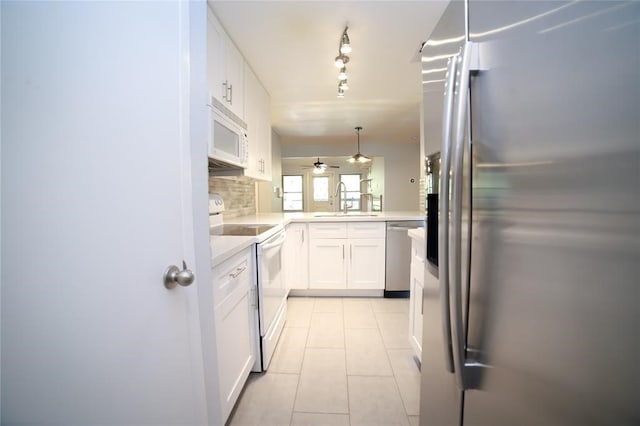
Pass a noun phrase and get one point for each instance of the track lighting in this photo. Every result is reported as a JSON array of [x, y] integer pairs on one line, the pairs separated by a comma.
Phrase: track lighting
[[341, 60]]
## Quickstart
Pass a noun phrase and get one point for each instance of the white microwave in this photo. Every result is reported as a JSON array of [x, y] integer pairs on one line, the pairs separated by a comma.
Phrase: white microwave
[[228, 141]]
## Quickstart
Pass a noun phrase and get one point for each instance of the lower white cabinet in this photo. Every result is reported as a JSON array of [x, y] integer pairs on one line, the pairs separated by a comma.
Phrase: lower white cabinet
[[347, 255], [234, 299], [296, 257], [366, 263], [416, 306], [417, 279], [327, 266]]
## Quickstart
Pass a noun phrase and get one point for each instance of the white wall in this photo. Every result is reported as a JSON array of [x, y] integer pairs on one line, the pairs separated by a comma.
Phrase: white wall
[[401, 165], [377, 178]]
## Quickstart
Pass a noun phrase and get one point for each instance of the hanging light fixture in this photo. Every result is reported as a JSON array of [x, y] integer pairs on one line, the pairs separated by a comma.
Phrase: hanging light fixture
[[341, 60], [359, 158]]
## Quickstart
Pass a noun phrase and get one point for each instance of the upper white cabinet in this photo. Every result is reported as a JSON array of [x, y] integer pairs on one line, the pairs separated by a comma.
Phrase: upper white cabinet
[[232, 82], [258, 118], [225, 67], [347, 255]]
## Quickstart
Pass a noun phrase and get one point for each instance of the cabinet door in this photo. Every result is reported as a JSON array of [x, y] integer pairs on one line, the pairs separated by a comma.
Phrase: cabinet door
[[296, 258], [234, 76], [215, 57], [234, 322], [366, 263], [225, 67], [257, 116], [415, 305], [264, 128], [252, 118], [327, 263]]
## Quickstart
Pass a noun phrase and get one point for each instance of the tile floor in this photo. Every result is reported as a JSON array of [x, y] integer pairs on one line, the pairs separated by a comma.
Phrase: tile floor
[[339, 361]]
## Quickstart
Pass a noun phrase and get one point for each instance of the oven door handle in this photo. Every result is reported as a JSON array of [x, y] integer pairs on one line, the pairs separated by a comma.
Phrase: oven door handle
[[278, 242]]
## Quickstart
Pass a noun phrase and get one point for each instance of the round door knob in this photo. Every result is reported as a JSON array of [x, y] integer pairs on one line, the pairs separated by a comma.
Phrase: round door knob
[[174, 276]]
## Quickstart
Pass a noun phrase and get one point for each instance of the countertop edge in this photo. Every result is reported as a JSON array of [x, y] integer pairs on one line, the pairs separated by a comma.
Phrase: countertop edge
[[286, 218], [223, 247]]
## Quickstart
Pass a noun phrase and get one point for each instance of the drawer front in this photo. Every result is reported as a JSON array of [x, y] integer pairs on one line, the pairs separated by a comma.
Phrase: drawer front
[[230, 274], [328, 230], [366, 230]]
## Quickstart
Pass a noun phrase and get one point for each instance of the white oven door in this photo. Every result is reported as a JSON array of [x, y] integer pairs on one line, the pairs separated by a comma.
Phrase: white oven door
[[271, 290]]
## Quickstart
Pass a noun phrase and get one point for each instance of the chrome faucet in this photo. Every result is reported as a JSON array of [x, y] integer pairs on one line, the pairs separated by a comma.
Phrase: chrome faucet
[[344, 199]]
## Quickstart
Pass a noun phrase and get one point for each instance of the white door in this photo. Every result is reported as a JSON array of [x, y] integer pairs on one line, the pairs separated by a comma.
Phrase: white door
[[101, 191], [321, 193]]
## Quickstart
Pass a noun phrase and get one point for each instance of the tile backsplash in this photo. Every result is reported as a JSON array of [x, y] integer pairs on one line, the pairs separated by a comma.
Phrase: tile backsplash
[[238, 193]]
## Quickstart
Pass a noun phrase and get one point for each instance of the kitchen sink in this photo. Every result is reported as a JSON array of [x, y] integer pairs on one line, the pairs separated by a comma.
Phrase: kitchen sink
[[345, 215]]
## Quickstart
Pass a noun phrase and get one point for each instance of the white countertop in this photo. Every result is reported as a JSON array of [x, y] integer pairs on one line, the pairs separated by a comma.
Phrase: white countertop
[[223, 247], [416, 233]]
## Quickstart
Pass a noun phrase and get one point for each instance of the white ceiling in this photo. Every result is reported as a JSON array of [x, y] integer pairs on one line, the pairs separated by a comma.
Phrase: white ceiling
[[291, 46]]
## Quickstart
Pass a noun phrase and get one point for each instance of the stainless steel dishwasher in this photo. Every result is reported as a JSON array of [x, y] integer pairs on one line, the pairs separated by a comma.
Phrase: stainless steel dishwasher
[[398, 257]]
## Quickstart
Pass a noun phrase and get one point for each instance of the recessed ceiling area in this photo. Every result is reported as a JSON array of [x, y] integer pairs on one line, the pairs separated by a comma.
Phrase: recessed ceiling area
[[291, 45]]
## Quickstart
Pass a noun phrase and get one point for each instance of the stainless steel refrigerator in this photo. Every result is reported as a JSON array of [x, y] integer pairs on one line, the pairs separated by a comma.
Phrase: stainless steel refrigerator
[[535, 317]]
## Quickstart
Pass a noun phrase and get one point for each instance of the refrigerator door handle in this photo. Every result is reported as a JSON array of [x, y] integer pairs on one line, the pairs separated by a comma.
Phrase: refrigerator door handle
[[466, 373], [443, 238]]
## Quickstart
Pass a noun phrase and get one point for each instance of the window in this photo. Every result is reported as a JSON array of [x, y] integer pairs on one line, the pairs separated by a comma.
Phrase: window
[[321, 188], [352, 183], [292, 193]]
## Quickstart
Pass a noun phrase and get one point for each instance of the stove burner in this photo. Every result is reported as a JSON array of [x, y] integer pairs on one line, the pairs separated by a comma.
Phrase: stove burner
[[240, 230]]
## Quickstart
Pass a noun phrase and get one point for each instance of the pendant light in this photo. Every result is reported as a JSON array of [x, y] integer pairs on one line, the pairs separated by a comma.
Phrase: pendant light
[[359, 158]]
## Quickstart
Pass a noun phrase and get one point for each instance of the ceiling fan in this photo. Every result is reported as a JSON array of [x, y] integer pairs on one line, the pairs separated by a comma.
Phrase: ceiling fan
[[320, 167]]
